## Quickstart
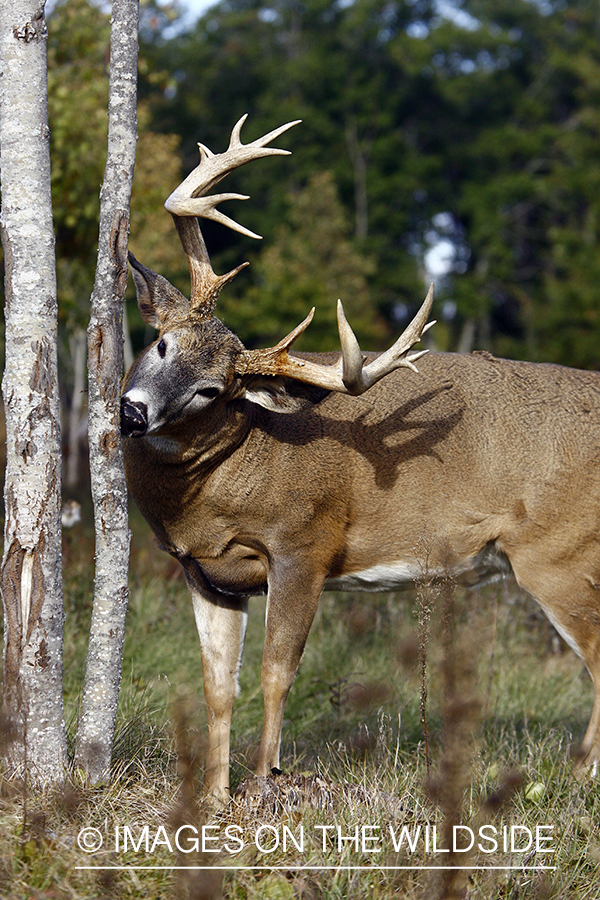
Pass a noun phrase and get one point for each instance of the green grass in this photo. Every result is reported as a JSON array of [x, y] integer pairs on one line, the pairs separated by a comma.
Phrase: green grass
[[498, 746]]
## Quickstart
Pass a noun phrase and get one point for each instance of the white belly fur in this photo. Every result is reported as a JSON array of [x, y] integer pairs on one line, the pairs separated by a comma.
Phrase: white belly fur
[[384, 577], [489, 564]]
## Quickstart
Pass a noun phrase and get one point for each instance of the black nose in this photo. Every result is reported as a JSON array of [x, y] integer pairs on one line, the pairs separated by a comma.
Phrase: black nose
[[134, 418]]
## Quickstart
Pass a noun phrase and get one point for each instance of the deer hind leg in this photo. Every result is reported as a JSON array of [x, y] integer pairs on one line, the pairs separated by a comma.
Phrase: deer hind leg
[[571, 600], [221, 623], [290, 614]]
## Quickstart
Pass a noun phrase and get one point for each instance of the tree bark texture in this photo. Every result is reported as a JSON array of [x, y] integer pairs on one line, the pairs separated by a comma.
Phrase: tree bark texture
[[105, 368], [31, 578]]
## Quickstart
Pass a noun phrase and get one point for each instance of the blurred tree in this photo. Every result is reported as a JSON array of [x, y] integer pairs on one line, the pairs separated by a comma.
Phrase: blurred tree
[[525, 86], [354, 74], [78, 51], [78, 59], [310, 263], [157, 173], [483, 116]]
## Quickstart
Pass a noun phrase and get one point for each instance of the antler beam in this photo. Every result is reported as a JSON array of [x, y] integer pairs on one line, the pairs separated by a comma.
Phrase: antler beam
[[349, 375], [191, 199]]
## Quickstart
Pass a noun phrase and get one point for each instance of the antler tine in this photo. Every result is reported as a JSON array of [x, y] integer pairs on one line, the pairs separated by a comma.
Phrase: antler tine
[[190, 200], [186, 200], [349, 375], [358, 378], [205, 208], [236, 142]]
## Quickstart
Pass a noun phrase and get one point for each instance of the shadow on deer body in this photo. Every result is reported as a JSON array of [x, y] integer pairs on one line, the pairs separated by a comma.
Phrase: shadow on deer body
[[268, 472]]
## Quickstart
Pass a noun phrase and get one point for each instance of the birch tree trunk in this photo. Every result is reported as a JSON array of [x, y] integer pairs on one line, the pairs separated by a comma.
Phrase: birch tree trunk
[[31, 578], [105, 368]]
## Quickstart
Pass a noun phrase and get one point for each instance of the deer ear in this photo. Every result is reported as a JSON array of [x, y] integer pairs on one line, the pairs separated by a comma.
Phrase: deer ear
[[283, 395], [157, 298]]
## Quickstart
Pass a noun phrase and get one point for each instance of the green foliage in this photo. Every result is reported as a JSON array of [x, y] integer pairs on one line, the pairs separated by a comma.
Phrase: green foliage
[[78, 59], [353, 74], [311, 262], [491, 119], [78, 53], [490, 116], [529, 198]]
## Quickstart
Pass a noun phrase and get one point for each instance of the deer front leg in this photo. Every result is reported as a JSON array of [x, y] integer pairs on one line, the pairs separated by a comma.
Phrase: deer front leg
[[221, 623], [290, 613]]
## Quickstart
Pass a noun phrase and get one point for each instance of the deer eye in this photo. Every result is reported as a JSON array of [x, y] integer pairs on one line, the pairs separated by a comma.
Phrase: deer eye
[[162, 348], [209, 393]]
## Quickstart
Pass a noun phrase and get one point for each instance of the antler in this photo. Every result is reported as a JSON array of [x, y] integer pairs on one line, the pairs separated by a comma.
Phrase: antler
[[189, 200], [349, 375]]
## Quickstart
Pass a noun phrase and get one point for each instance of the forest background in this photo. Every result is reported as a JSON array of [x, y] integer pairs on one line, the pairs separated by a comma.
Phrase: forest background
[[439, 138], [461, 133]]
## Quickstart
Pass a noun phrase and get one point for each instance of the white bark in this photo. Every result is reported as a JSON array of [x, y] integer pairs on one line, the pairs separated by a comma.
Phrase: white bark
[[31, 579], [105, 366]]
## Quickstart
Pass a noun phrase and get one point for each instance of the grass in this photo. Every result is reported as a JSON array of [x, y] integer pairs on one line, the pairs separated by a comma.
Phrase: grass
[[502, 710]]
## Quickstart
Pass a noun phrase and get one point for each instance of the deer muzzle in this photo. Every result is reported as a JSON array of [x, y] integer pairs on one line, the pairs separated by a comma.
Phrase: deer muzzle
[[134, 418]]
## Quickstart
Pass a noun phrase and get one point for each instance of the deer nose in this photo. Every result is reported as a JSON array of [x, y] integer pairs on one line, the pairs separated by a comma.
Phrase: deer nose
[[134, 418]]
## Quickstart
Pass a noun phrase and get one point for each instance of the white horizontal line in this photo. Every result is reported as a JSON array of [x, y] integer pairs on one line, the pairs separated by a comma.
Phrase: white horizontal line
[[326, 868]]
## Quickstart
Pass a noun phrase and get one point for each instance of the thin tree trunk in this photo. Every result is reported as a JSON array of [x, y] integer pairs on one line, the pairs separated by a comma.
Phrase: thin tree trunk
[[105, 367], [359, 167], [77, 344], [467, 336], [31, 578]]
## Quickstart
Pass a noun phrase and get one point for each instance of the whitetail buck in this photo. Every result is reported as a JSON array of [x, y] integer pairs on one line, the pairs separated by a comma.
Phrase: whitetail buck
[[264, 472]]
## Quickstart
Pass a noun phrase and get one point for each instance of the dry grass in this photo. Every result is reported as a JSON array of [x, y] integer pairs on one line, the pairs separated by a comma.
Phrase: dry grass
[[501, 708]]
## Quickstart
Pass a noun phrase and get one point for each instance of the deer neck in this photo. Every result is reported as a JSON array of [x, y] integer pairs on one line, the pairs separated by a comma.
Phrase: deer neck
[[205, 440]]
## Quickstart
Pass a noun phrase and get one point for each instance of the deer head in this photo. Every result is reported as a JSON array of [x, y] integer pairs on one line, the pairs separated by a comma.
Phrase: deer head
[[195, 359]]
